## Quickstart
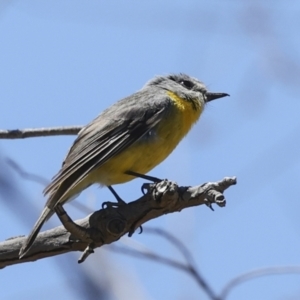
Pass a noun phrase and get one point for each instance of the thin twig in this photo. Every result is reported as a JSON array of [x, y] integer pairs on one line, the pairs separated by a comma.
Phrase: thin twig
[[43, 181], [279, 270], [189, 267], [187, 255], [25, 175], [173, 240], [38, 132]]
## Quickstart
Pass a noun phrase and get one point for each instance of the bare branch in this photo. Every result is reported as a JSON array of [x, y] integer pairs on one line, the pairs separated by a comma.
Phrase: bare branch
[[279, 270], [28, 176], [107, 225], [173, 240], [189, 267], [169, 262], [38, 132]]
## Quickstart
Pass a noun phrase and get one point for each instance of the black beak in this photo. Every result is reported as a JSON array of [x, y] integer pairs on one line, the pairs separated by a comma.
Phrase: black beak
[[213, 96]]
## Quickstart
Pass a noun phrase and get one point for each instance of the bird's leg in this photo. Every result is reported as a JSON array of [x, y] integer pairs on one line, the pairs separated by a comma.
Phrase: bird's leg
[[147, 177], [112, 204], [119, 199], [120, 202]]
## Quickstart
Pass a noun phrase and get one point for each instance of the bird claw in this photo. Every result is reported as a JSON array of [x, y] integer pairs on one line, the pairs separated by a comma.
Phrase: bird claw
[[108, 204], [141, 229], [132, 230], [145, 188], [209, 204]]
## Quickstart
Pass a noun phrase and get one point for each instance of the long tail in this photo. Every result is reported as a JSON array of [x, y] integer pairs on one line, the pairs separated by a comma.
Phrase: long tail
[[45, 215]]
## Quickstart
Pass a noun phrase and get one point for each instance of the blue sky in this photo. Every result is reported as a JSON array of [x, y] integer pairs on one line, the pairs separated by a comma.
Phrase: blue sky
[[63, 62]]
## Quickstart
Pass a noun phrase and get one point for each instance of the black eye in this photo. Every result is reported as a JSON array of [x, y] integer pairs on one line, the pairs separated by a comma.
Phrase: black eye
[[187, 84]]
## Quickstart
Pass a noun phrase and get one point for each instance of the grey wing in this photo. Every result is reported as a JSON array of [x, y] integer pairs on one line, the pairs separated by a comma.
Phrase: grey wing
[[102, 139]]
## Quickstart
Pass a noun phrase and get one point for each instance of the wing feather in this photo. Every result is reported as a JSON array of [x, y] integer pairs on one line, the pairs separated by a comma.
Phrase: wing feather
[[101, 140]]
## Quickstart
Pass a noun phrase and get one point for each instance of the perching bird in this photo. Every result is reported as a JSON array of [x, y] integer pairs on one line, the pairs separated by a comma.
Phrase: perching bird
[[131, 137]]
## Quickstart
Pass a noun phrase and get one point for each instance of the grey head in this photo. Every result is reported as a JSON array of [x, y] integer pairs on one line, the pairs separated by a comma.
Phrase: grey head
[[185, 86]]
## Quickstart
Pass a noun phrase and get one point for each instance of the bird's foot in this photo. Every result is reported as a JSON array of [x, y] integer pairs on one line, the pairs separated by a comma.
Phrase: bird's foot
[[109, 204]]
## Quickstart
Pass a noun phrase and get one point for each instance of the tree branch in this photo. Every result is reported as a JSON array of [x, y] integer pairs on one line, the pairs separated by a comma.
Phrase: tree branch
[[109, 224], [38, 132], [254, 274]]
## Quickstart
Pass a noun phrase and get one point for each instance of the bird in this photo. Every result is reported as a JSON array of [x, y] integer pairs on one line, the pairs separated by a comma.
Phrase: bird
[[127, 140]]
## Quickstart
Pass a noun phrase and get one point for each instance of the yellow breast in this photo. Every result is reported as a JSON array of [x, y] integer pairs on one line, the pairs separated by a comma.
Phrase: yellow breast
[[188, 112]]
